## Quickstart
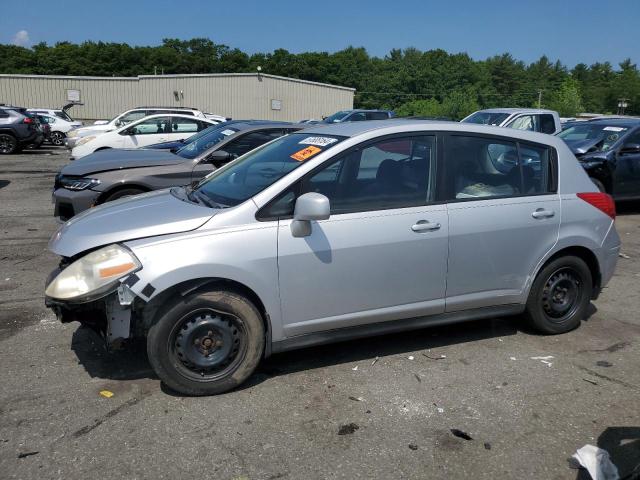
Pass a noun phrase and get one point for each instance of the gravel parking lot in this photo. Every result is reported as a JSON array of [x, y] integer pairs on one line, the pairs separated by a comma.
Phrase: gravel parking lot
[[384, 407]]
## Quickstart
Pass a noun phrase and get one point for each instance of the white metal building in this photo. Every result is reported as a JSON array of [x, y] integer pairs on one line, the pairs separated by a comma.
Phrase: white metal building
[[236, 95]]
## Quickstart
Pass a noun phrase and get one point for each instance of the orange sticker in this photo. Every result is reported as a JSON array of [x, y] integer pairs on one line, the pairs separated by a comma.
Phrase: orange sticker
[[305, 153]]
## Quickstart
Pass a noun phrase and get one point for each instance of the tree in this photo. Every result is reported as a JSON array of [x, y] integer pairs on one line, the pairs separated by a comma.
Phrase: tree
[[567, 100]]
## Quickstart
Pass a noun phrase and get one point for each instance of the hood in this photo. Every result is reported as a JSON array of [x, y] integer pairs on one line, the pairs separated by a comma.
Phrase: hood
[[146, 215], [580, 147], [94, 129], [118, 159]]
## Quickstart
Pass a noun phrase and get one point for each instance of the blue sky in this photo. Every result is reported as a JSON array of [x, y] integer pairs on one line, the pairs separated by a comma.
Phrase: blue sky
[[570, 30]]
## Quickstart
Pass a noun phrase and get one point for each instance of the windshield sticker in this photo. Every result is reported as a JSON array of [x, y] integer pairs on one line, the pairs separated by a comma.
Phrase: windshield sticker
[[319, 141], [227, 132], [613, 129], [305, 153]]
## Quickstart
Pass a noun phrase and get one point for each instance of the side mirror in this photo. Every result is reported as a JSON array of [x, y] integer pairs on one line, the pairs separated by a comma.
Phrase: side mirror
[[310, 206], [219, 157], [630, 148]]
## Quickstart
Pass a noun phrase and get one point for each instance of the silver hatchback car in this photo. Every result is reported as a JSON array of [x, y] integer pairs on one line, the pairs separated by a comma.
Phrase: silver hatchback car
[[338, 232]]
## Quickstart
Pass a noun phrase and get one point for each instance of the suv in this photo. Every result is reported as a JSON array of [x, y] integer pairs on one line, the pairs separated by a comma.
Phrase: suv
[[58, 120], [531, 119], [339, 232], [101, 126], [358, 116], [18, 129]]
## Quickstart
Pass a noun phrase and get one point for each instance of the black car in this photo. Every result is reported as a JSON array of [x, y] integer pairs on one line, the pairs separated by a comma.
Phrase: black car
[[18, 129], [609, 150]]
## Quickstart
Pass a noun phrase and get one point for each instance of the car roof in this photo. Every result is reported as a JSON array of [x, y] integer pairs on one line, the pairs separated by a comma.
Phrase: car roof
[[628, 122], [354, 129], [190, 117], [258, 124], [516, 110], [165, 108]]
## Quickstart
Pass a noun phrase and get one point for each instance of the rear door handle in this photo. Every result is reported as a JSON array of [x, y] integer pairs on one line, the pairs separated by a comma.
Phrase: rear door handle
[[425, 226], [542, 213]]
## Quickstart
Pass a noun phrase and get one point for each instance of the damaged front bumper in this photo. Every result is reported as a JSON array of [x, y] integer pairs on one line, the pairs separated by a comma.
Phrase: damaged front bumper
[[111, 315]]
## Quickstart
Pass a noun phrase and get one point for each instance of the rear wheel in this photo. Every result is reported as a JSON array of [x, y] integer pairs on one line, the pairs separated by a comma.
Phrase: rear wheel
[[57, 138], [560, 295], [8, 144], [125, 192], [599, 184], [206, 343]]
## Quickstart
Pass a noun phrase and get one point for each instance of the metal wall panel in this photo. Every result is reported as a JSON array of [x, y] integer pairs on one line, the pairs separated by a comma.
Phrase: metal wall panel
[[242, 96]]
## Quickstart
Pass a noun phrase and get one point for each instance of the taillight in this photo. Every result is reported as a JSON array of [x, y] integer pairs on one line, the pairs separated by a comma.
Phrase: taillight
[[601, 201], [27, 120]]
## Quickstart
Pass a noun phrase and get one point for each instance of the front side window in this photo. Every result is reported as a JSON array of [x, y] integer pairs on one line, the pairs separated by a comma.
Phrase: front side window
[[240, 180], [524, 122], [394, 173], [203, 141], [481, 168], [486, 118], [357, 117], [130, 117], [152, 126], [337, 117]]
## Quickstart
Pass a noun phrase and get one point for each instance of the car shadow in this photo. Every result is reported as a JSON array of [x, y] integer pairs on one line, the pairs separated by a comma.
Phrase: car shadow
[[628, 207], [623, 446], [4, 183]]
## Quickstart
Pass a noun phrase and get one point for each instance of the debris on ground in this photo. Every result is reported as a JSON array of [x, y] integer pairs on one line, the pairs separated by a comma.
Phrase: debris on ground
[[413, 446], [590, 381], [624, 255], [487, 446], [357, 399], [27, 454], [348, 429], [410, 357], [355, 368], [512, 358], [374, 361], [597, 462], [440, 409], [544, 360], [434, 358], [461, 434], [106, 393], [604, 363], [417, 377]]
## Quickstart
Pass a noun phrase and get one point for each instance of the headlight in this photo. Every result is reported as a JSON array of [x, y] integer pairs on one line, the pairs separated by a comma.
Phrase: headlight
[[76, 183], [73, 133], [84, 140], [93, 272]]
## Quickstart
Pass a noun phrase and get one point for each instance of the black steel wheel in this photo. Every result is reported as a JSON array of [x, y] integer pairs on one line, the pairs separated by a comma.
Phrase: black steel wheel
[[57, 138], [560, 295], [206, 343], [8, 144]]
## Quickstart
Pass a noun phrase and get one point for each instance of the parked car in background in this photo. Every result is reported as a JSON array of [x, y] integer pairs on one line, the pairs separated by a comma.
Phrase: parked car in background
[[44, 125], [124, 118], [358, 116], [61, 113], [18, 129], [113, 174], [335, 233], [59, 127], [609, 150], [146, 131], [530, 119]]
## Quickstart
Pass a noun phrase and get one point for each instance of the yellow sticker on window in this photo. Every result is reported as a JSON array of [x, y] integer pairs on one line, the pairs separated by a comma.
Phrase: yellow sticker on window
[[306, 153]]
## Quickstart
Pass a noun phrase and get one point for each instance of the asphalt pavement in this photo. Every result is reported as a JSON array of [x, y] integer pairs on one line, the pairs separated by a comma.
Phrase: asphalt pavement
[[484, 400]]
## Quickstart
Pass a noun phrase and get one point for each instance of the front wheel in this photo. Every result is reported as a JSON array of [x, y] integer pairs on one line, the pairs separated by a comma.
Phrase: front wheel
[[206, 343], [560, 295], [8, 144]]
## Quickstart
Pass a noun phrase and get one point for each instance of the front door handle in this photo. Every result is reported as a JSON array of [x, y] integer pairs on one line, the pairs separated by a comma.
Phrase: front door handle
[[542, 213], [425, 226]]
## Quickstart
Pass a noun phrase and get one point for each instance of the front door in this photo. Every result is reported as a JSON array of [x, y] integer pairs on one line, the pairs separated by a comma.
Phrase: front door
[[381, 256], [147, 132], [627, 173], [504, 216]]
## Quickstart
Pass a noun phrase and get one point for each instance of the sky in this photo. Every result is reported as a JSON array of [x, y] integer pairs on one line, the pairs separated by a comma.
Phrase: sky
[[572, 31]]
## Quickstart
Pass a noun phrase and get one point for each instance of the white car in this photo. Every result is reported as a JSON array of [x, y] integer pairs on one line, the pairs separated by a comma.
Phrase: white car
[[59, 120], [146, 131], [531, 119], [101, 126]]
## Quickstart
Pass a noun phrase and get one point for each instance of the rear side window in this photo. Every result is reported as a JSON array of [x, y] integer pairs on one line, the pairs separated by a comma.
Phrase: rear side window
[[357, 117], [377, 115], [483, 168], [185, 125], [547, 123]]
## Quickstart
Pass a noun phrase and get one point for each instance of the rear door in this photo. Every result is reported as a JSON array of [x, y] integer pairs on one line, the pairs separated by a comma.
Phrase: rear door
[[504, 216], [182, 128]]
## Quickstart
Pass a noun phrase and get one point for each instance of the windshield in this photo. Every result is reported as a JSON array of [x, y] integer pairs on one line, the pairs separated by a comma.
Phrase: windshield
[[336, 117], [204, 141], [486, 118], [604, 135], [250, 174]]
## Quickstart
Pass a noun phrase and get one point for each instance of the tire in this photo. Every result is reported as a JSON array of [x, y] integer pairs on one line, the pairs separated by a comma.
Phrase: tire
[[57, 138], [560, 296], [125, 192], [599, 184], [206, 343], [8, 144]]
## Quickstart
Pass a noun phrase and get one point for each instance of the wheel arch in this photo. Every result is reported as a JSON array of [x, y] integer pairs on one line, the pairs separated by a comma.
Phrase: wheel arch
[[153, 309], [118, 187]]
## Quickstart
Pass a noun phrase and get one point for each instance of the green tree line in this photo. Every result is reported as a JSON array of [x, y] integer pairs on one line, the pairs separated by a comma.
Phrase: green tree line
[[411, 81]]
